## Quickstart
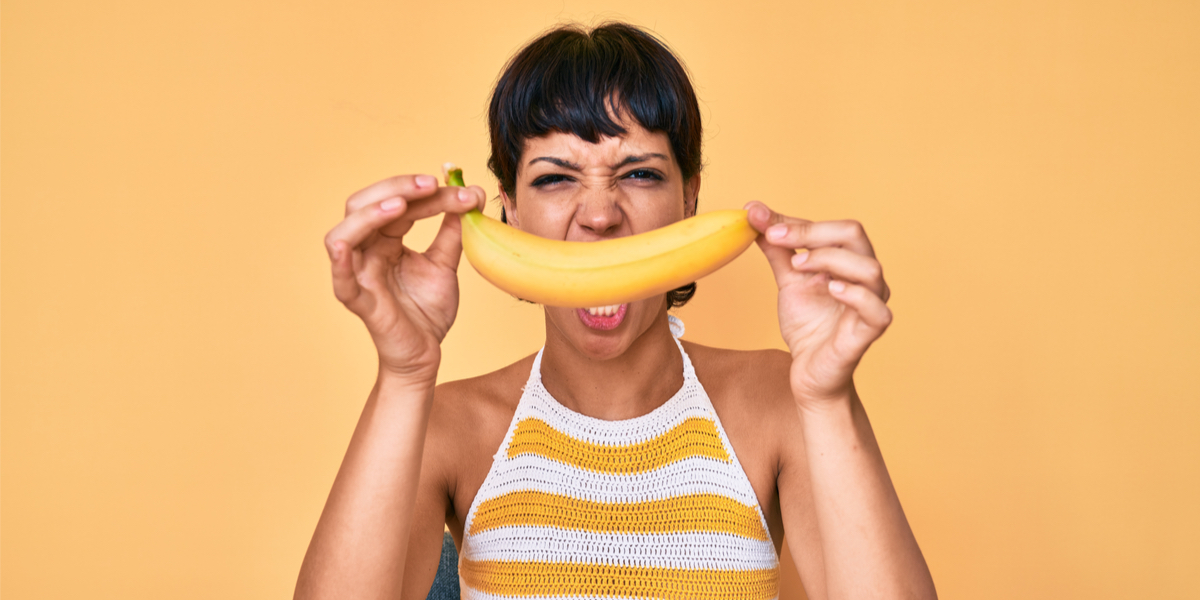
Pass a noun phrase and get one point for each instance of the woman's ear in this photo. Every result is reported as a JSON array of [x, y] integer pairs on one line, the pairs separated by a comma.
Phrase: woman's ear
[[508, 209], [691, 196]]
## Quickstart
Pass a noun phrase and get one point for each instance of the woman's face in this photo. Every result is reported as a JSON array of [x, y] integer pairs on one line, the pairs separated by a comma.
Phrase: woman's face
[[570, 189]]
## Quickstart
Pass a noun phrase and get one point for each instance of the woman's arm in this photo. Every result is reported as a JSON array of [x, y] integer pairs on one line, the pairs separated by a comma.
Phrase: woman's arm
[[360, 545], [408, 301], [832, 306], [867, 547]]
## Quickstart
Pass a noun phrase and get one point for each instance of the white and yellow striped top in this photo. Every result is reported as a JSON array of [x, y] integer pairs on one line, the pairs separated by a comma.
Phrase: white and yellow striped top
[[651, 507]]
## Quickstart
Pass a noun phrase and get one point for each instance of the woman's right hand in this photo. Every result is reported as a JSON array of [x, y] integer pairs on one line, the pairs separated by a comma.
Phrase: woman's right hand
[[407, 299]]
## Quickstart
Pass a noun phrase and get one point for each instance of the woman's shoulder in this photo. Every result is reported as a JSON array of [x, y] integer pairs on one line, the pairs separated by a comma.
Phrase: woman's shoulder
[[741, 374], [467, 423], [476, 401], [751, 392]]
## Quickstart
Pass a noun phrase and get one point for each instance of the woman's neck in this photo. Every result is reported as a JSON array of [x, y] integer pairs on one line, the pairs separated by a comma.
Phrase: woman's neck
[[630, 385]]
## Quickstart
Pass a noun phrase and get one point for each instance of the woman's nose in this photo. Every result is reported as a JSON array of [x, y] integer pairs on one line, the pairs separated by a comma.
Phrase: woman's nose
[[599, 213]]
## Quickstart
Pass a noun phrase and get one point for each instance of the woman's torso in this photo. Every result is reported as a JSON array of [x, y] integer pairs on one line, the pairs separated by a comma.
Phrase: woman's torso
[[471, 418], [564, 490]]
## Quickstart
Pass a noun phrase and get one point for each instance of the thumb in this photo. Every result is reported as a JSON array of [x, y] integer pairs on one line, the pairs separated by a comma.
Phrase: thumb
[[446, 248]]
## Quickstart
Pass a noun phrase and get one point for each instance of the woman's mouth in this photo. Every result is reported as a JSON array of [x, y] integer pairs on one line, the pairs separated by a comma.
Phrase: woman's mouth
[[603, 318]]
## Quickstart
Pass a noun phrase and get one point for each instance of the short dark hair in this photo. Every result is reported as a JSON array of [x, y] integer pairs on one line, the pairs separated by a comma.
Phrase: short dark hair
[[572, 80]]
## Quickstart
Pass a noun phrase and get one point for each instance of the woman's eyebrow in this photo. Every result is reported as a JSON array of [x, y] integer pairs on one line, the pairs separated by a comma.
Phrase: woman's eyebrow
[[557, 161], [631, 159], [637, 158]]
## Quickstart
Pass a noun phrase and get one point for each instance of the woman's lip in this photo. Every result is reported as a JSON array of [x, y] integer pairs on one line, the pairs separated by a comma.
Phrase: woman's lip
[[601, 322]]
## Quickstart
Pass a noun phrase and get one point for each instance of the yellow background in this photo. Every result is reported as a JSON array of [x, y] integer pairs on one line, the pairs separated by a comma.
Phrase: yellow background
[[179, 383]]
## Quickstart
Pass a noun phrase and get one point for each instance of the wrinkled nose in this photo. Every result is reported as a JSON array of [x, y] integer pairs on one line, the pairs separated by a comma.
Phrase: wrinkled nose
[[599, 213]]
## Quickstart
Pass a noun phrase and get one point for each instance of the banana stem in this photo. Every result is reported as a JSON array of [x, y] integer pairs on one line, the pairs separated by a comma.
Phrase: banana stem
[[453, 175]]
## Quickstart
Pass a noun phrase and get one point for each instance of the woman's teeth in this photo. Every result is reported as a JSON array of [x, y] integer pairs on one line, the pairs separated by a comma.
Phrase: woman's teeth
[[604, 311]]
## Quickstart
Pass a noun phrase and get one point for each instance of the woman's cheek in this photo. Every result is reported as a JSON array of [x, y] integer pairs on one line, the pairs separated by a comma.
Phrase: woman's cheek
[[545, 219]]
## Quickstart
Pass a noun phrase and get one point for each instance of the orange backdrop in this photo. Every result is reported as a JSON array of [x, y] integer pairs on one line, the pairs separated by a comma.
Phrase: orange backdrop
[[179, 383]]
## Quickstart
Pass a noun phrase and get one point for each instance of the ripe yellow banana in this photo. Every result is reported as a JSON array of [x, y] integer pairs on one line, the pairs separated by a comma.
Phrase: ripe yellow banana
[[614, 271]]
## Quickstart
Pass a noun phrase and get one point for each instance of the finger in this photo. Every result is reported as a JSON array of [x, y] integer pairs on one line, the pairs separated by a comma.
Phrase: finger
[[870, 307], [446, 249], [844, 265], [791, 232], [360, 224], [409, 187], [446, 200], [345, 285]]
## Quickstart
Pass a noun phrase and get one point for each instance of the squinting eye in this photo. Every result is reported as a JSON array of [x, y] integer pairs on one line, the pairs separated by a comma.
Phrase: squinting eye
[[644, 174], [548, 179]]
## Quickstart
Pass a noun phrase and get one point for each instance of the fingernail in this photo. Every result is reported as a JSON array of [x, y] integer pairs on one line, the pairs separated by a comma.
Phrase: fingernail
[[760, 213], [776, 232], [799, 259], [425, 181], [464, 196], [390, 205], [836, 286]]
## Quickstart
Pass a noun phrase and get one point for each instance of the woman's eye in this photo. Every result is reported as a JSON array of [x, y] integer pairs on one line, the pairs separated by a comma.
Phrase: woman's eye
[[548, 180], [644, 174]]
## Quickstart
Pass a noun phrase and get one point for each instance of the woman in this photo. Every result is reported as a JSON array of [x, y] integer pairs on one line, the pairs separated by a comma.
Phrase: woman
[[618, 461]]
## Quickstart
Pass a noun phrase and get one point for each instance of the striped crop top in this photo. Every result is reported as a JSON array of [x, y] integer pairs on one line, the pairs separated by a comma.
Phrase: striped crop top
[[651, 507]]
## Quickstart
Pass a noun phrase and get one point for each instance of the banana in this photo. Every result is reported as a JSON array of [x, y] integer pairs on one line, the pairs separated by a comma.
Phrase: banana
[[613, 271], [608, 272]]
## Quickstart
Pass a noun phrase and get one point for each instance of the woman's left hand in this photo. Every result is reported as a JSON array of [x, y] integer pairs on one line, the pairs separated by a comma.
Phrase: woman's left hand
[[832, 299]]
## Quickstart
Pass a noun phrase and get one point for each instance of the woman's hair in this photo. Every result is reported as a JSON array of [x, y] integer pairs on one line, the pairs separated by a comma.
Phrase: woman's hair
[[574, 80]]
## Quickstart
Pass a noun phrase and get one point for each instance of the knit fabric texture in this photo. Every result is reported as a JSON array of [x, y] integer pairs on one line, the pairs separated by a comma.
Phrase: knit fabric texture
[[651, 507]]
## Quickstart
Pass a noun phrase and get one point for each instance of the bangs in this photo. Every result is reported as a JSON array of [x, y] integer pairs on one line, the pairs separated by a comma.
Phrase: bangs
[[585, 83]]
